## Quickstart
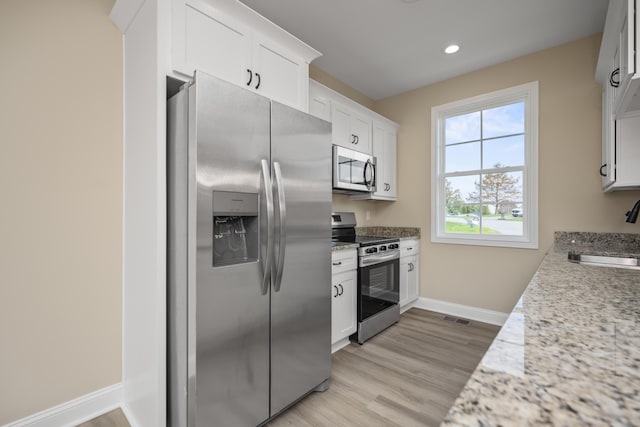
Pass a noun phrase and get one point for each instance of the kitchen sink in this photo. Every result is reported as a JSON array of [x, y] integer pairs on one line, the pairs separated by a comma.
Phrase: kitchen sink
[[606, 261]]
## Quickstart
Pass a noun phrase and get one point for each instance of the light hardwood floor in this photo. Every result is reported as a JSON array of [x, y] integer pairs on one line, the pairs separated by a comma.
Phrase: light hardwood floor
[[409, 375]]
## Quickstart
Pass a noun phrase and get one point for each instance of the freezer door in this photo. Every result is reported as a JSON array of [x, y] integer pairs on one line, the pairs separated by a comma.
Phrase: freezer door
[[301, 277], [229, 328]]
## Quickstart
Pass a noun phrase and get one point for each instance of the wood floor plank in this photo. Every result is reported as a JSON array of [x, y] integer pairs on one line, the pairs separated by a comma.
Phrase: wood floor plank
[[408, 375]]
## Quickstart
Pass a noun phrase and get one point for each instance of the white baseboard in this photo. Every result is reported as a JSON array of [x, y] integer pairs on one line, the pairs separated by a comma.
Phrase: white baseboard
[[75, 411], [465, 311]]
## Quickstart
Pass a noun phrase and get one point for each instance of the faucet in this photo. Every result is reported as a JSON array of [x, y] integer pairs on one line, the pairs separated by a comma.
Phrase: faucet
[[632, 215]]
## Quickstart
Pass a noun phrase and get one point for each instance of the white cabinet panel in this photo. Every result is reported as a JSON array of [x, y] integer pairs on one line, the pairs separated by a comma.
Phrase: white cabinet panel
[[344, 281], [409, 272], [343, 307], [221, 48], [207, 36], [384, 149], [280, 75], [350, 129]]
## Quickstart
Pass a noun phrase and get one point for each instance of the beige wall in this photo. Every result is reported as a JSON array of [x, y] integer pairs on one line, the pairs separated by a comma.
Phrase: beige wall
[[61, 186], [570, 196]]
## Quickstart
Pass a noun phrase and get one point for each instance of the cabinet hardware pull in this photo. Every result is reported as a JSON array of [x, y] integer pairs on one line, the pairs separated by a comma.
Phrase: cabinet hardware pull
[[612, 81], [258, 76], [601, 168], [337, 263], [250, 77], [357, 139], [353, 139], [336, 294], [411, 267], [409, 249], [341, 289]]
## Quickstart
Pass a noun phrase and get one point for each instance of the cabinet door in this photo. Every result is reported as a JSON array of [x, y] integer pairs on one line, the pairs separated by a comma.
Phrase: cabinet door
[[341, 129], [343, 307], [384, 149], [279, 74], [404, 281], [409, 276], [608, 167], [413, 281], [350, 129], [207, 40], [361, 130], [319, 105]]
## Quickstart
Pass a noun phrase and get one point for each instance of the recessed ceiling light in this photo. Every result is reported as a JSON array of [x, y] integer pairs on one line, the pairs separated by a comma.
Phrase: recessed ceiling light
[[452, 48]]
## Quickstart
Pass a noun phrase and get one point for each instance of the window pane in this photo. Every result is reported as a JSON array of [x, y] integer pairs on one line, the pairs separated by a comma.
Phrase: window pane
[[501, 194], [462, 157], [506, 151], [505, 120], [462, 128], [461, 207]]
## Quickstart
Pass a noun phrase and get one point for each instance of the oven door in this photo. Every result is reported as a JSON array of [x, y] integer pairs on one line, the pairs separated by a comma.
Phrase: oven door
[[378, 284], [353, 170]]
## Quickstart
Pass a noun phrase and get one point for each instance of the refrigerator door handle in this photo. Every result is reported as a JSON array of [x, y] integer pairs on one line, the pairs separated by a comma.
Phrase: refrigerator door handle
[[282, 209], [269, 197]]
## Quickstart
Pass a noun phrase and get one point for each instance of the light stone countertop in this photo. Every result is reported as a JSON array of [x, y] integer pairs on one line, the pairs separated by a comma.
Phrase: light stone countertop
[[569, 353]]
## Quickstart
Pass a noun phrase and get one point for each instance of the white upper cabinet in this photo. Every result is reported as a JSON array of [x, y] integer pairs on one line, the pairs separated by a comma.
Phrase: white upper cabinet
[[618, 62], [226, 39], [358, 128], [617, 72], [350, 128], [384, 150]]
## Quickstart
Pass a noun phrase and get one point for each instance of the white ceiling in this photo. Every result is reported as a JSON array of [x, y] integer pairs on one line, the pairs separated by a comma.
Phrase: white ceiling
[[386, 47]]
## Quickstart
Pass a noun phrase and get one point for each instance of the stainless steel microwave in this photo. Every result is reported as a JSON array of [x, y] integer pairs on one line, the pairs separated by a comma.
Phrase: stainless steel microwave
[[353, 171]]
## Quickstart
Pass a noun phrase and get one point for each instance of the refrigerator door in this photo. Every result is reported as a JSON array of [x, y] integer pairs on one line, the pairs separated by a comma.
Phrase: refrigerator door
[[301, 276], [229, 328]]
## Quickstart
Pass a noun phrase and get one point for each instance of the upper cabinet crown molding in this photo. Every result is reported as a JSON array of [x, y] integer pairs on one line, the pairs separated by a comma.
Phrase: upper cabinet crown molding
[[123, 12]]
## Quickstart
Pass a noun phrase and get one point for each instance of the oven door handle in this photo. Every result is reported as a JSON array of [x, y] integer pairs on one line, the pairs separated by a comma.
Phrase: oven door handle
[[370, 260]]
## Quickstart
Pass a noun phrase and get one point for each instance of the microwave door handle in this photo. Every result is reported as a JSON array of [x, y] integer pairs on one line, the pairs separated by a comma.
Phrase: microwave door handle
[[282, 236], [369, 182], [268, 191]]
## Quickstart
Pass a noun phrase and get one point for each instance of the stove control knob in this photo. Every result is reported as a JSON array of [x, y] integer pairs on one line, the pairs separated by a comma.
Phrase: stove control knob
[[383, 248], [393, 246], [371, 250]]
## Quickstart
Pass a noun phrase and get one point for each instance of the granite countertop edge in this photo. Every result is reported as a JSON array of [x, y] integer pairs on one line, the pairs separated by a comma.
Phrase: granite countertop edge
[[568, 352]]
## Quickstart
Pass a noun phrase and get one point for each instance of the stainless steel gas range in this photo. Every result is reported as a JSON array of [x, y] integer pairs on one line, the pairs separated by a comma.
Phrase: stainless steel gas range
[[378, 276]]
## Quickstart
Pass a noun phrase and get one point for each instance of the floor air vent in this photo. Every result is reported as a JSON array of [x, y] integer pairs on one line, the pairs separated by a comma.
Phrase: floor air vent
[[458, 320]]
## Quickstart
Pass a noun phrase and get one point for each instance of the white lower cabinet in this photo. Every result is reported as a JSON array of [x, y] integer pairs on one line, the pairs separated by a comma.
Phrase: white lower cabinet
[[409, 273], [344, 282]]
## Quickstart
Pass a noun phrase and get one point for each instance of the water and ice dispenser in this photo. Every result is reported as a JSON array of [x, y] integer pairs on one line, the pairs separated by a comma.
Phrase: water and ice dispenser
[[235, 228]]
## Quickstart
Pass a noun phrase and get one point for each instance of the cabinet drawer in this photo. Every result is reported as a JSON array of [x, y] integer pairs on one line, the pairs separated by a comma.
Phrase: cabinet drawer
[[409, 247], [344, 261]]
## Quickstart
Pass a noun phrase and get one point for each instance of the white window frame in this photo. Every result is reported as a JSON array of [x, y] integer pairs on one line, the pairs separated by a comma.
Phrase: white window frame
[[529, 94]]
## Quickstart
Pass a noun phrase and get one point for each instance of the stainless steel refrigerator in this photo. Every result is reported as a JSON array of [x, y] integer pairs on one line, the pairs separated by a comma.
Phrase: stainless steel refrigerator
[[249, 203]]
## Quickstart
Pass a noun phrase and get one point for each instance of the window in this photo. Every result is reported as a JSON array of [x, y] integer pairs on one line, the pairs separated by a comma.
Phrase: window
[[485, 169]]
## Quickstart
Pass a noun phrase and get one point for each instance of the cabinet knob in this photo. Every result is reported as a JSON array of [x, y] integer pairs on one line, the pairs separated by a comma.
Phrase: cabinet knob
[[612, 79], [601, 170]]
